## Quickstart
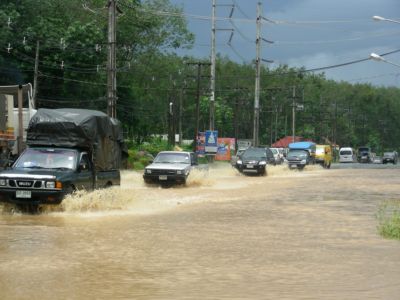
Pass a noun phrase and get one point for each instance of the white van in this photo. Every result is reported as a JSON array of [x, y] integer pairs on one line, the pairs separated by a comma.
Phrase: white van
[[347, 154]]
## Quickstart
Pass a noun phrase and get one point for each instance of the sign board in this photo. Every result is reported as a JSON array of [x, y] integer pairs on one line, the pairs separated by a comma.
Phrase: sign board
[[224, 149], [211, 145], [243, 144], [201, 143]]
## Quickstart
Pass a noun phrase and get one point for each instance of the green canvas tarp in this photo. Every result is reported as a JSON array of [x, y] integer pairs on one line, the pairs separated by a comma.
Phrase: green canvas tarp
[[90, 130]]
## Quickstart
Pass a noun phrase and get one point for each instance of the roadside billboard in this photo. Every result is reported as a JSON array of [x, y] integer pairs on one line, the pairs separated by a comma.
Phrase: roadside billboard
[[224, 149], [211, 144]]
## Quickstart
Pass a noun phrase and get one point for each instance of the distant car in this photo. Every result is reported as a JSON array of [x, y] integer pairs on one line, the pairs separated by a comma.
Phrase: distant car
[[170, 167], [253, 161], [347, 154], [364, 155], [235, 157], [390, 157], [278, 155]]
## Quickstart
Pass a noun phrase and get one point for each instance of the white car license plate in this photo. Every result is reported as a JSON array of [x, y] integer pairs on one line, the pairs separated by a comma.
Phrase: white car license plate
[[250, 166], [23, 194], [162, 177]]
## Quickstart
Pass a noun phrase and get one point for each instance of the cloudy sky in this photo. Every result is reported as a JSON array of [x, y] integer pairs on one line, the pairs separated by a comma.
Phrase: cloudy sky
[[306, 33]]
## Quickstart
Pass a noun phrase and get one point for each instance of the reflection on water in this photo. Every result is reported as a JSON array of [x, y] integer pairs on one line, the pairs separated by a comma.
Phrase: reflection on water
[[290, 235]]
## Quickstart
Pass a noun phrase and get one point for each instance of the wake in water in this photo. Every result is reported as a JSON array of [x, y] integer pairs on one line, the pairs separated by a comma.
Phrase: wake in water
[[134, 196]]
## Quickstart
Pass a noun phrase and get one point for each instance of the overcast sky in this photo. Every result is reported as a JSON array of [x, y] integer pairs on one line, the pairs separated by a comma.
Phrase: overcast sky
[[306, 33]]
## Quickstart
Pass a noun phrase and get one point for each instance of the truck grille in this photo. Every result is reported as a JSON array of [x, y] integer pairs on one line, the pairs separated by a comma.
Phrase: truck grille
[[163, 172], [25, 183]]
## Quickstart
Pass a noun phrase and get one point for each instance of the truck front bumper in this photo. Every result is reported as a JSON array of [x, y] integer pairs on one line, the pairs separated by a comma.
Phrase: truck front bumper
[[36, 197], [181, 178]]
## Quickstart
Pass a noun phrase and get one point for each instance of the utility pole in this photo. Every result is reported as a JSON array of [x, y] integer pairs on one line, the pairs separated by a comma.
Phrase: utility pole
[[257, 85], [196, 130], [294, 113], [180, 113], [111, 61], [36, 73], [212, 80], [20, 121]]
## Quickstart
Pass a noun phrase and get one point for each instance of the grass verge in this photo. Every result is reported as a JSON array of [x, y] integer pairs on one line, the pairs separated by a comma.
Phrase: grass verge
[[389, 219]]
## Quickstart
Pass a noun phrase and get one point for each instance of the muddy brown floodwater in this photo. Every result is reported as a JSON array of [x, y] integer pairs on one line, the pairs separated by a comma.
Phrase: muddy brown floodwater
[[289, 235]]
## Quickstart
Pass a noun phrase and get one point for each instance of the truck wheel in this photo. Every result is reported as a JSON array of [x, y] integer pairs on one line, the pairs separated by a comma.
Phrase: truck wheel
[[69, 190], [108, 185]]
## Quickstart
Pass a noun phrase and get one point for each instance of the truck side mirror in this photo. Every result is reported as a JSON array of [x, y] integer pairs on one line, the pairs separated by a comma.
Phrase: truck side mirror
[[83, 166]]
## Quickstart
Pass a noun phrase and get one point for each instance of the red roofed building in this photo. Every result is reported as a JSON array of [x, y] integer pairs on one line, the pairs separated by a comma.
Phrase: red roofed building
[[284, 142]]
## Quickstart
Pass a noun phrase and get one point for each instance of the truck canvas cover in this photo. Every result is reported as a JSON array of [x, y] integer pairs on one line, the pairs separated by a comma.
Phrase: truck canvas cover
[[310, 146], [85, 129]]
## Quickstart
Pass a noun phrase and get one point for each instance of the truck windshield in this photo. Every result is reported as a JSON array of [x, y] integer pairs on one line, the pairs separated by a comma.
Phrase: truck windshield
[[297, 153], [47, 159], [345, 152], [255, 153], [181, 158]]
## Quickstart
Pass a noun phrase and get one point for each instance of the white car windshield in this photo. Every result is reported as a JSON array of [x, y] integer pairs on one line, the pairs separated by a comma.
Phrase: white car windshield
[[180, 158], [47, 159]]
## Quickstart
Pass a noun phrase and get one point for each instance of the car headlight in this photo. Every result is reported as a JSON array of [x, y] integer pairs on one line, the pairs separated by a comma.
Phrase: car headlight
[[50, 184], [239, 162], [148, 171], [304, 161], [263, 162], [179, 172], [3, 182]]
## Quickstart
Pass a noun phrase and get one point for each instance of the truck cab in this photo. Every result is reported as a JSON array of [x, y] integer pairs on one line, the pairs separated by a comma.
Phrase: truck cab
[[301, 154]]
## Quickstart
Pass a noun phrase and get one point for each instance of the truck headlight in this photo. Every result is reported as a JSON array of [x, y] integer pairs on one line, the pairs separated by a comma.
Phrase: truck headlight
[[304, 161], [263, 162], [3, 182], [179, 172], [50, 184], [148, 171], [239, 162]]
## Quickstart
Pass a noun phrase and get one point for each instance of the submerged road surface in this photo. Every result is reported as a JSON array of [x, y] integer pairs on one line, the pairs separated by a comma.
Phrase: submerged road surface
[[289, 235]]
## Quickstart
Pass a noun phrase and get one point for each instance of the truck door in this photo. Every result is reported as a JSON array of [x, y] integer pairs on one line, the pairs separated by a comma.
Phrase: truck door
[[85, 178]]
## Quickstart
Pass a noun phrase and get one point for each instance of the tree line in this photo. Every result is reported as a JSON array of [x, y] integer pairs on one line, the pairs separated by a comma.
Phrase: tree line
[[159, 91]]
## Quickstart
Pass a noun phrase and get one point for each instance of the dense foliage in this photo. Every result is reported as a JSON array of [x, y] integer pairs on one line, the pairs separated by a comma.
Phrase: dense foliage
[[157, 90]]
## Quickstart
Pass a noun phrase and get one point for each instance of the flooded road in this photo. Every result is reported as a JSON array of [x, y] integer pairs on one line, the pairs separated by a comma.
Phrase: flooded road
[[289, 235]]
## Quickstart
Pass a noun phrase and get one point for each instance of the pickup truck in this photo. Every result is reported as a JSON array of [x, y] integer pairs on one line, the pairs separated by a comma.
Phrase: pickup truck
[[67, 150], [170, 167], [45, 175], [301, 154]]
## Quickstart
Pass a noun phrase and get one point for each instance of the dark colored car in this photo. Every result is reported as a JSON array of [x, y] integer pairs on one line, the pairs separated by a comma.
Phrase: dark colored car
[[364, 155], [390, 157], [253, 161]]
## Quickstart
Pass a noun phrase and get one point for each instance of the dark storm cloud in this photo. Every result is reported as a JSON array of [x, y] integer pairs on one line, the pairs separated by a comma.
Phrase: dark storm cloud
[[308, 33]]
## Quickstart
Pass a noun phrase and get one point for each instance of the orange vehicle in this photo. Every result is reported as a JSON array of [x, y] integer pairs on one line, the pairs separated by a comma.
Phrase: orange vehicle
[[323, 155]]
